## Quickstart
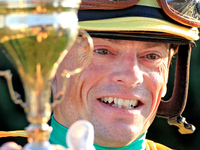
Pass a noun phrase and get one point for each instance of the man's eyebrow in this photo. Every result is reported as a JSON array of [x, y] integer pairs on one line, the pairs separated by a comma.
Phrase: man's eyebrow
[[115, 41], [146, 44], [151, 44]]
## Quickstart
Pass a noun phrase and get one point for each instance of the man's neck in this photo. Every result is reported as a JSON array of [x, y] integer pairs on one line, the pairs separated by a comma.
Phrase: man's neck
[[58, 136]]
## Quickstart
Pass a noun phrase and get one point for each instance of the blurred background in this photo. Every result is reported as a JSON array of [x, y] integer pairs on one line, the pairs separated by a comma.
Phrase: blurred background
[[12, 117]]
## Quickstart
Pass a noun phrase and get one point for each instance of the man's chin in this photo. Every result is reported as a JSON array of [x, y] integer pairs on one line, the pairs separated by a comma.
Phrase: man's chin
[[117, 136]]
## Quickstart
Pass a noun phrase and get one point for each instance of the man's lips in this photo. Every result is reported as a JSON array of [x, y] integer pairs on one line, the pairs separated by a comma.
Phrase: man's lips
[[120, 103]]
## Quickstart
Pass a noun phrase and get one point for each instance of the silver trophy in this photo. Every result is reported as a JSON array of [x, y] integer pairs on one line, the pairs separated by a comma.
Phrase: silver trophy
[[36, 35]]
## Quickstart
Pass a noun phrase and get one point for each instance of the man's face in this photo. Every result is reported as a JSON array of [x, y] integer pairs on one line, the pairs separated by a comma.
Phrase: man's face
[[118, 92]]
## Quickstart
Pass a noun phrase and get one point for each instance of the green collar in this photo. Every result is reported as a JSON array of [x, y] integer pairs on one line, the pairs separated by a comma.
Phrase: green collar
[[58, 136]]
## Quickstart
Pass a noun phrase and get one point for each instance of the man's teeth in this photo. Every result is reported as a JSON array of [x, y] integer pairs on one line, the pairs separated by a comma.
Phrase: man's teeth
[[120, 103]]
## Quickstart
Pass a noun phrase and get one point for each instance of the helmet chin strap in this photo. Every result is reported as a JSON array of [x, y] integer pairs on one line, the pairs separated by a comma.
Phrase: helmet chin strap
[[173, 108]]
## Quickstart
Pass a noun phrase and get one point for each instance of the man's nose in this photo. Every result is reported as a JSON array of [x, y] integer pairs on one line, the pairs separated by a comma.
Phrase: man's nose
[[128, 72]]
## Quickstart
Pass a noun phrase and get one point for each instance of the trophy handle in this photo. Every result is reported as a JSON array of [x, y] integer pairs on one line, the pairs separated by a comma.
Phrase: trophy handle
[[67, 74], [14, 95]]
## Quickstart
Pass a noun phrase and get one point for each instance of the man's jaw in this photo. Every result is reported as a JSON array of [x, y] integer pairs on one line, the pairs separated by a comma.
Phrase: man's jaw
[[120, 103]]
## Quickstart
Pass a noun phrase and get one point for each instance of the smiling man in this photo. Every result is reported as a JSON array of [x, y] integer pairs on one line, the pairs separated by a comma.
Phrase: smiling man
[[120, 90]]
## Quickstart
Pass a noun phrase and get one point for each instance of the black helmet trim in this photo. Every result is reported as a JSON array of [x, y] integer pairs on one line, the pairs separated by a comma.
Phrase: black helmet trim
[[143, 36]]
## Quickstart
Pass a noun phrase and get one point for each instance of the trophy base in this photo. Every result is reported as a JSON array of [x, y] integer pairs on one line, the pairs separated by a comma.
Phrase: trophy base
[[39, 138], [45, 145]]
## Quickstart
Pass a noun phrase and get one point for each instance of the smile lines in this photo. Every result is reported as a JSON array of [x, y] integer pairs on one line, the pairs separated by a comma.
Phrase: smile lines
[[119, 102]]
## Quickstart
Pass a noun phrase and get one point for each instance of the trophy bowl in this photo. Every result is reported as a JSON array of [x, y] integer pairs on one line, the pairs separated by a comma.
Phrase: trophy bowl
[[36, 35]]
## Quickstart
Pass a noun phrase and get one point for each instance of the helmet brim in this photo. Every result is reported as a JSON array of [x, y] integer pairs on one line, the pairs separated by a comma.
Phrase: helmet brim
[[143, 24]]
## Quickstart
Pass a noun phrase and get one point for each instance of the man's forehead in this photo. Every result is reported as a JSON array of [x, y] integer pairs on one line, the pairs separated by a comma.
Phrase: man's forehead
[[144, 43]]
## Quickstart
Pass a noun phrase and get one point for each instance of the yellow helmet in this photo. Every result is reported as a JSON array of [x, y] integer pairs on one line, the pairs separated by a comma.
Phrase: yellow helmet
[[145, 16]]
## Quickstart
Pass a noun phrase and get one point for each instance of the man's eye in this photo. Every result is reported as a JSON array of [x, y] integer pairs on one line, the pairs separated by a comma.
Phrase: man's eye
[[102, 51], [151, 56]]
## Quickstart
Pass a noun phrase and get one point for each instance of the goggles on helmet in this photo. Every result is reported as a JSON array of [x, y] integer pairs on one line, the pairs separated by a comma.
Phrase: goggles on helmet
[[186, 12], [183, 11]]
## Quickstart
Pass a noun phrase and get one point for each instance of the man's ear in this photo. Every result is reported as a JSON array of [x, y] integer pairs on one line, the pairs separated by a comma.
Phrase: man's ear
[[53, 86], [172, 50], [53, 80], [165, 86], [164, 90]]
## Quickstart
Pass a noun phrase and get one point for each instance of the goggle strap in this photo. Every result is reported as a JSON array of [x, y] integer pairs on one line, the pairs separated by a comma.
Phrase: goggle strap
[[173, 108], [107, 4]]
